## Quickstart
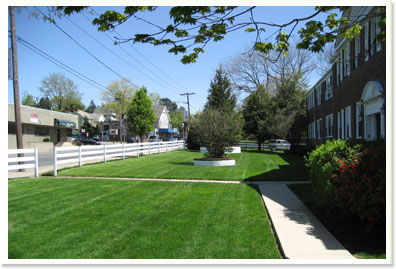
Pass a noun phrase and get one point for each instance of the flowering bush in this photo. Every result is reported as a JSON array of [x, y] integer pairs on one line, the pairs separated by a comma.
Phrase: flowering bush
[[322, 165], [359, 182]]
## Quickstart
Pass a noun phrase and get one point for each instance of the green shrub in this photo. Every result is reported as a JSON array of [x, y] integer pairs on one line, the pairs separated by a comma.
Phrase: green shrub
[[46, 139], [350, 175], [360, 182], [322, 165], [192, 139]]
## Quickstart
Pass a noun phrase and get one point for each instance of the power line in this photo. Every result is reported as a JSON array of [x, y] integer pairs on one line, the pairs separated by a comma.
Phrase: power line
[[86, 50], [66, 67], [137, 51], [60, 64], [118, 56]]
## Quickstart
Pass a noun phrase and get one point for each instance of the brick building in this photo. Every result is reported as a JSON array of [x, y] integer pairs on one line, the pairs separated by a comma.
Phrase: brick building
[[349, 100]]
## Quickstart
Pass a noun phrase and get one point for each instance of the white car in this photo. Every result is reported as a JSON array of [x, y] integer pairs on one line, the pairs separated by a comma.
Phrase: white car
[[278, 144]]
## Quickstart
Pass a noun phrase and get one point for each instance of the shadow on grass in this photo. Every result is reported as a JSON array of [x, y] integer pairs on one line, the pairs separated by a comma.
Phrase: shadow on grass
[[183, 163], [293, 171]]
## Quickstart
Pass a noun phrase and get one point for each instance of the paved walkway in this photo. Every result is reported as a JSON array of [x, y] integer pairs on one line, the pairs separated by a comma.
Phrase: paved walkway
[[301, 235]]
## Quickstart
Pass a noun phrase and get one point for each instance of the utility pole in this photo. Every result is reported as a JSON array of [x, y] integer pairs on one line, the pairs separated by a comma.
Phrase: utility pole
[[15, 80], [188, 106], [119, 110]]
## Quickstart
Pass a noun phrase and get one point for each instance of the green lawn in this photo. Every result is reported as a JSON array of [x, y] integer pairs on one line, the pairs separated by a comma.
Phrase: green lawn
[[348, 230], [180, 165], [60, 218]]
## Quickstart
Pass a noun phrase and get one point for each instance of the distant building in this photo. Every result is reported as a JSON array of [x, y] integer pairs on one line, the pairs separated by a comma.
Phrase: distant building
[[349, 100], [93, 118], [163, 127], [39, 124]]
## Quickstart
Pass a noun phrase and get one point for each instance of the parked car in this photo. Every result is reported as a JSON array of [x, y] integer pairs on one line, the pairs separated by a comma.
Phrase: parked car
[[88, 141], [154, 138], [96, 137], [131, 140], [278, 144], [75, 138]]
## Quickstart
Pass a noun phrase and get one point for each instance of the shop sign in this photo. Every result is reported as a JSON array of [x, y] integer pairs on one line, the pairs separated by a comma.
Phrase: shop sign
[[34, 118]]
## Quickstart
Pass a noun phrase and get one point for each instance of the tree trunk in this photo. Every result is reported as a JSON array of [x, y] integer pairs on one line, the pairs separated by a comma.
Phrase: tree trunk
[[259, 146]]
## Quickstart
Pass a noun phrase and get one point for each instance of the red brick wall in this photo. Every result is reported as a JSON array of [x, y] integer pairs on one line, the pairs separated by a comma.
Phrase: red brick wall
[[351, 87]]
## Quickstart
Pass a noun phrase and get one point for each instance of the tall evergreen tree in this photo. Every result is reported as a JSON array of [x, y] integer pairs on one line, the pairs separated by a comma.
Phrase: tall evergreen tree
[[91, 108], [220, 95], [141, 115]]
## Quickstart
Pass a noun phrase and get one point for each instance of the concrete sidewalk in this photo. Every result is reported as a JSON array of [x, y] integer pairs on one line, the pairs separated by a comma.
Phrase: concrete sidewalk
[[300, 233]]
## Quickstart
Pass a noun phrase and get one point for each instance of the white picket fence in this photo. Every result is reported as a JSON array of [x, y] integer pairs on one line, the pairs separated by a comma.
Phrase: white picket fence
[[84, 153], [25, 162]]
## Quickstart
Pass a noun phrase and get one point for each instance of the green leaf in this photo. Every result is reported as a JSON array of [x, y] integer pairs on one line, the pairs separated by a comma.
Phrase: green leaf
[[187, 59], [181, 33], [177, 49], [250, 29], [264, 47]]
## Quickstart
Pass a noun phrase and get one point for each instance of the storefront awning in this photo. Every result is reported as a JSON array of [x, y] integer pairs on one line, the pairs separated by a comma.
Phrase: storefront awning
[[170, 130], [65, 123]]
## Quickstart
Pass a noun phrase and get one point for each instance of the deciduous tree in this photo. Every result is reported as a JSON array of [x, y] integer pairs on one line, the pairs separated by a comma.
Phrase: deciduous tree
[[218, 131], [29, 100], [191, 28], [141, 115], [170, 105], [62, 93], [119, 92], [257, 111]]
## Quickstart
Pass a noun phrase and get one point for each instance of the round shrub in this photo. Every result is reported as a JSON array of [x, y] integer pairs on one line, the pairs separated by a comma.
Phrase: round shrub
[[322, 165], [350, 175], [360, 182], [46, 139]]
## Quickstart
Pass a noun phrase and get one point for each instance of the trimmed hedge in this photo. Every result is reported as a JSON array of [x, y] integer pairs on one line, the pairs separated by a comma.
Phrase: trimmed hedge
[[350, 175]]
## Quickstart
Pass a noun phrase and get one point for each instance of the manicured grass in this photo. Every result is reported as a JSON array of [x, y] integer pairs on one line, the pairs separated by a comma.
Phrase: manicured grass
[[60, 218], [348, 230], [180, 165]]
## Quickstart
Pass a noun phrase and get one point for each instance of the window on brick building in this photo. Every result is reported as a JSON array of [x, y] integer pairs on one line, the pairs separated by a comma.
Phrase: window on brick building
[[329, 126], [339, 125], [366, 40], [348, 123], [318, 128], [372, 36], [310, 100], [329, 87], [378, 31], [341, 63], [342, 124], [347, 60], [359, 120], [338, 72], [318, 96], [357, 50]]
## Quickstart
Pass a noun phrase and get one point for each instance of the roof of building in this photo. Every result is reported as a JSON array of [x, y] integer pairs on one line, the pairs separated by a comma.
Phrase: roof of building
[[92, 116], [159, 109]]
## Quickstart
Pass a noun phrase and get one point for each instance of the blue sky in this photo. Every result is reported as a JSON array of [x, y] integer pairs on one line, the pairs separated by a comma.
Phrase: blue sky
[[174, 77]]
